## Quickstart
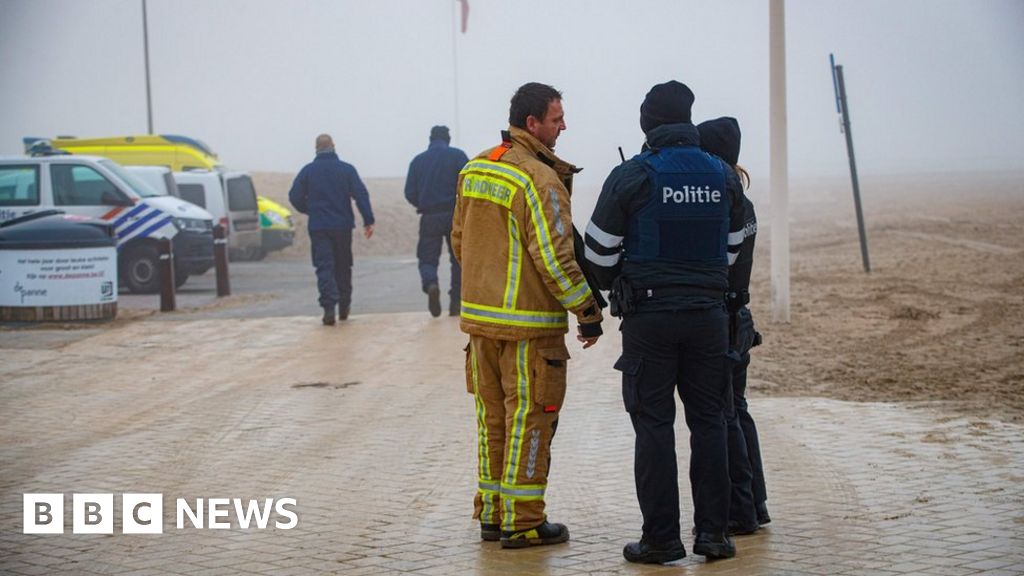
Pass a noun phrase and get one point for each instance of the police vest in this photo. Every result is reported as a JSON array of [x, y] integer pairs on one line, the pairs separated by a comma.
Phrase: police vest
[[685, 219]]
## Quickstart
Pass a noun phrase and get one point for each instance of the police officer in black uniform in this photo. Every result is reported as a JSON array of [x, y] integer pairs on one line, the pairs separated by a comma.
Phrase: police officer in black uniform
[[748, 509], [667, 226]]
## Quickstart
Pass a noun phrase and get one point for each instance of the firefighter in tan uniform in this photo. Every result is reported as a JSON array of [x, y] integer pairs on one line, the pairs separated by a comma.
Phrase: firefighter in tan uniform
[[512, 234]]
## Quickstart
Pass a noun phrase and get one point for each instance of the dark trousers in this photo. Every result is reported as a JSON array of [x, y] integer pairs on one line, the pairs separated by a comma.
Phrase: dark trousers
[[748, 448], [682, 352], [435, 229], [332, 258], [741, 473]]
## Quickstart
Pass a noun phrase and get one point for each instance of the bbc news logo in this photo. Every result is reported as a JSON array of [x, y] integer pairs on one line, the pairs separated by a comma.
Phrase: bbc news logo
[[144, 513]]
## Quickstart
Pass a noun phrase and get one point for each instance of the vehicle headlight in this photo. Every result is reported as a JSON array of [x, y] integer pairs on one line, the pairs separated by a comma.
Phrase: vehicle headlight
[[193, 224], [275, 218]]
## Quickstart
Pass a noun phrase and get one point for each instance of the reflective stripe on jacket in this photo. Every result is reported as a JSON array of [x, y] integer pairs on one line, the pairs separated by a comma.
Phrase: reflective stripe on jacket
[[512, 234]]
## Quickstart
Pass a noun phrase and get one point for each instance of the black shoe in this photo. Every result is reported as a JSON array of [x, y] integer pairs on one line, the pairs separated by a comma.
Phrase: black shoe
[[714, 546], [454, 309], [434, 299], [328, 318], [742, 529], [343, 313], [490, 532], [762, 514], [643, 553], [546, 533]]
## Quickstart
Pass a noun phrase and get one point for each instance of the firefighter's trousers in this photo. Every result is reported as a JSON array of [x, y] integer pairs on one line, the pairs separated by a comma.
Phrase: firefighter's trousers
[[519, 388]]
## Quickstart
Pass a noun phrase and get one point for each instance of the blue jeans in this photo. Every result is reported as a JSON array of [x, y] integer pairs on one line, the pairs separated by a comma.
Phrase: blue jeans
[[435, 229]]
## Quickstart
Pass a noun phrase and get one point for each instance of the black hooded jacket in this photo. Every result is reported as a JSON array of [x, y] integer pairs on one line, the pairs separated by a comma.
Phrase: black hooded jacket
[[721, 137]]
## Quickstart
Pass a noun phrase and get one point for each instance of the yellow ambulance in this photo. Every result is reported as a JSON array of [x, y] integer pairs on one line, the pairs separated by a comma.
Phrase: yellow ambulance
[[180, 154]]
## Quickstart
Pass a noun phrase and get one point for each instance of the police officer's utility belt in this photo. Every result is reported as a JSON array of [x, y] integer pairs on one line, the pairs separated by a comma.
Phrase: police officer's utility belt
[[624, 297], [642, 294]]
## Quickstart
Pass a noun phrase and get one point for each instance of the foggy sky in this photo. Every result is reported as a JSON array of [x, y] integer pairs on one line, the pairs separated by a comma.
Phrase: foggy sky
[[934, 85]]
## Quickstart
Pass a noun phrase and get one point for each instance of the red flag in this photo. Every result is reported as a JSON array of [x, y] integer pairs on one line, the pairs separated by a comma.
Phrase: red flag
[[465, 13]]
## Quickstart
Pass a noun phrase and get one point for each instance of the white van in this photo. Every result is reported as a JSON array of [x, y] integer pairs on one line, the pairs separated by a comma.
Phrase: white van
[[234, 208], [101, 188], [159, 178]]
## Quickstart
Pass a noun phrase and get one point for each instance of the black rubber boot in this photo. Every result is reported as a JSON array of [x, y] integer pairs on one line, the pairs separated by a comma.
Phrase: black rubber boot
[[546, 533], [490, 532]]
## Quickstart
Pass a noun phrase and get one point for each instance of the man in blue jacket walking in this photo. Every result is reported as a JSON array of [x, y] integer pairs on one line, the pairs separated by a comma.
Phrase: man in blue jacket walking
[[324, 189], [430, 187]]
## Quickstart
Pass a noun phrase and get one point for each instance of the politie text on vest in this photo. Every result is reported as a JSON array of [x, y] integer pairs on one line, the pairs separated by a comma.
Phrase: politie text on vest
[[690, 195]]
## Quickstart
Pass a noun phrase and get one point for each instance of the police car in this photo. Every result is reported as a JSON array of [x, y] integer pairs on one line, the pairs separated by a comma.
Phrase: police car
[[101, 188]]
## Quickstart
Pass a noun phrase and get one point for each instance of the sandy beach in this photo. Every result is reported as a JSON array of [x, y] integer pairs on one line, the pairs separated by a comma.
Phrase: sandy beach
[[939, 318]]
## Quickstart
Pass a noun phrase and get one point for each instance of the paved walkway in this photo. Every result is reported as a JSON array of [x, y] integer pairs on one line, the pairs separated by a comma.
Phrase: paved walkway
[[368, 426]]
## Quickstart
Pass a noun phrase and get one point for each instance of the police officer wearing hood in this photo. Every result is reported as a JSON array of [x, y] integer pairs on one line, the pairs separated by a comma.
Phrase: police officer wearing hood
[[666, 228]]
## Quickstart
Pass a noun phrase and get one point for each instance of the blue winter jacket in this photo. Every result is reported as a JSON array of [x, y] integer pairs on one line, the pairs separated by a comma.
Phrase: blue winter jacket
[[433, 177], [325, 188]]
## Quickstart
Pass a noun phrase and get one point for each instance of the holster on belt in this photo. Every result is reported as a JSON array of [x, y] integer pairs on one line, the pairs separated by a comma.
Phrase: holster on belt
[[622, 298]]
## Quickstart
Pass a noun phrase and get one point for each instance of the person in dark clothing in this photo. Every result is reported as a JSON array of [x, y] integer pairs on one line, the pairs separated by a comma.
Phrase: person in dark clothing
[[666, 227], [430, 188], [748, 509], [324, 189]]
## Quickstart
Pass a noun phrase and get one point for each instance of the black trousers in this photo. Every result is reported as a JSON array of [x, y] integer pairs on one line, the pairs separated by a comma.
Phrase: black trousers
[[745, 464], [682, 352], [740, 426], [332, 258]]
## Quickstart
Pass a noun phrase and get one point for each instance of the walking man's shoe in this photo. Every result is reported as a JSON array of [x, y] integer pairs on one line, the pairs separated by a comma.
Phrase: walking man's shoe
[[328, 318], [490, 532], [454, 308], [546, 533], [342, 314], [644, 553], [762, 514], [741, 529], [714, 546], [434, 300]]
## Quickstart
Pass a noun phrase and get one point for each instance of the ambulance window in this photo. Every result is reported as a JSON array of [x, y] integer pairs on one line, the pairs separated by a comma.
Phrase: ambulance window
[[76, 185], [19, 186], [192, 193], [241, 195]]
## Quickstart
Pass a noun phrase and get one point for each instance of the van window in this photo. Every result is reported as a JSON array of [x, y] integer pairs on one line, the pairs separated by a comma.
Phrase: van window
[[77, 185], [193, 193], [170, 185], [19, 186], [138, 186], [241, 195]]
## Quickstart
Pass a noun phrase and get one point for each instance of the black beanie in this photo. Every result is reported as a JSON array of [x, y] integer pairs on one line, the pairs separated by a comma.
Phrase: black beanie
[[667, 103], [440, 133], [721, 137]]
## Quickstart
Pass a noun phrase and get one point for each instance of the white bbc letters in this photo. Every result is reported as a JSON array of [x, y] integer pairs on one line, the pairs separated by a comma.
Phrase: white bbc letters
[[43, 514], [92, 514]]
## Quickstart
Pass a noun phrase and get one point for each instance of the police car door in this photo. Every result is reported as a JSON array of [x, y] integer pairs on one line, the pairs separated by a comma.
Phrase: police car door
[[81, 189]]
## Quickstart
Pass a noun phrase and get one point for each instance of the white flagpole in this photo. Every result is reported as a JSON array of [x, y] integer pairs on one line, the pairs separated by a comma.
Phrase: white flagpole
[[779, 170]]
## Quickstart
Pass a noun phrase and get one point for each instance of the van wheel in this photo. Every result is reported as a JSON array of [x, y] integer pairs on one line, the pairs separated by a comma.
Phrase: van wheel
[[257, 253], [179, 279], [142, 269]]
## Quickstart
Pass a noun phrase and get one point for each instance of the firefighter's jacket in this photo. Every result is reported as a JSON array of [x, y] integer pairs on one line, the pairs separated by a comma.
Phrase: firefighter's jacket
[[512, 234]]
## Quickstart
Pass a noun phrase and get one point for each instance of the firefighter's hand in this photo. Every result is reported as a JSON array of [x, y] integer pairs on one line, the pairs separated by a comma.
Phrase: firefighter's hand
[[368, 231]]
